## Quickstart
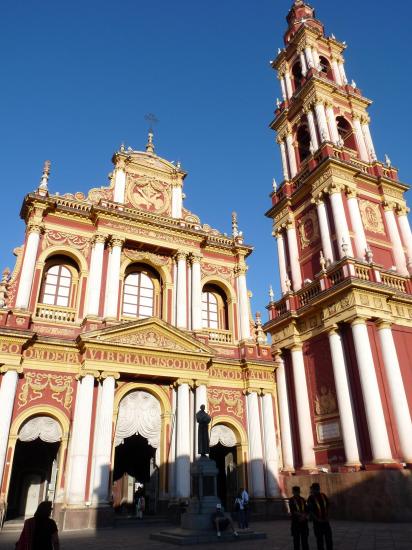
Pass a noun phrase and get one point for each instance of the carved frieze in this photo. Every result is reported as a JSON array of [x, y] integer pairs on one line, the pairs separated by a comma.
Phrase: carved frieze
[[141, 256], [37, 383], [54, 237], [151, 338], [216, 269], [231, 400], [148, 193]]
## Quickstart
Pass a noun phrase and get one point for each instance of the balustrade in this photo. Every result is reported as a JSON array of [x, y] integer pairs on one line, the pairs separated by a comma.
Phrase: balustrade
[[56, 314]]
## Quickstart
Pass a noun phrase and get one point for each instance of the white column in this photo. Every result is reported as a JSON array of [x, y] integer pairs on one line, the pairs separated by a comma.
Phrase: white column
[[343, 395], [316, 59], [336, 73], [94, 280], [289, 89], [322, 124], [172, 452], [177, 200], [283, 87], [368, 140], [284, 416], [7, 394], [360, 140], [333, 129], [405, 230], [102, 450], [375, 418], [397, 247], [181, 294], [342, 73], [294, 257], [80, 441], [284, 160], [291, 155], [196, 293], [111, 299], [312, 129], [303, 63], [281, 260], [396, 390], [309, 57], [324, 231], [357, 226], [341, 225], [200, 399], [119, 183], [303, 409], [27, 270], [255, 446], [243, 303], [270, 447], [183, 442]]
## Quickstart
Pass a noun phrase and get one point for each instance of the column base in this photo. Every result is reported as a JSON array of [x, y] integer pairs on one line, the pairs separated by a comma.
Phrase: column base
[[383, 465], [76, 517], [288, 472], [350, 467]]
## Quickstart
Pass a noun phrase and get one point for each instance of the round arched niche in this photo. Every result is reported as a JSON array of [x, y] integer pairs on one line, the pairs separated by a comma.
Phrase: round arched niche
[[224, 435], [45, 428]]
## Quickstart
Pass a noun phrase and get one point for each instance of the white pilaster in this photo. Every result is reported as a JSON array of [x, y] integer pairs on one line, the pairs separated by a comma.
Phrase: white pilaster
[[375, 418], [200, 399], [343, 395], [111, 299], [94, 280], [183, 442], [80, 441], [333, 129], [405, 230], [177, 200], [283, 87], [360, 140], [270, 447], [312, 129], [369, 142], [181, 295], [172, 451], [243, 303], [342, 72], [255, 446], [119, 183], [102, 449], [288, 81], [309, 57], [196, 293], [294, 257], [303, 410], [291, 155], [357, 226], [397, 390], [303, 63], [322, 124], [316, 59], [284, 416], [336, 73], [341, 224], [324, 231], [7, 394], [27, 270], [281, 260], [285, 168], [394, 236]]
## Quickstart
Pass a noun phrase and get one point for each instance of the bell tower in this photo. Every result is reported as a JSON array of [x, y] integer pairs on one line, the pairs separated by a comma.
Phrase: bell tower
[[342, 328]]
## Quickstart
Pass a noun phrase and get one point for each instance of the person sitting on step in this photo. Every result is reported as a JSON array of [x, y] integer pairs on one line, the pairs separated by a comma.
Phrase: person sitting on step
[[221, 521]]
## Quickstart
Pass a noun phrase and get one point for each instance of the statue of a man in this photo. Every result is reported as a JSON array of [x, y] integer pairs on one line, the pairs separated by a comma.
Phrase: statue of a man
[[203, 419]]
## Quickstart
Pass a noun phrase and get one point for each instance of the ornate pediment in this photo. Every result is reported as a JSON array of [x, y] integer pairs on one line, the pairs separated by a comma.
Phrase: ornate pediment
[[148, 333]]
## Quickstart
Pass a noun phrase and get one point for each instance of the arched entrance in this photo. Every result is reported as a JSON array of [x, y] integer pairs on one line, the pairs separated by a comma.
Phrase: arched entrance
[[137, 450], [223, 451], [35, 466]]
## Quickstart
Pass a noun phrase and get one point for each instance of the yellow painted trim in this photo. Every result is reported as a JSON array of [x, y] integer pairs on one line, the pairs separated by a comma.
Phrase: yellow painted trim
[[77, 256], [157, 392]]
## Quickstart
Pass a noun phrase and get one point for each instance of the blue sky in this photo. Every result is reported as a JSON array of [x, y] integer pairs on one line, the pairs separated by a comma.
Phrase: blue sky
[[78, 78]]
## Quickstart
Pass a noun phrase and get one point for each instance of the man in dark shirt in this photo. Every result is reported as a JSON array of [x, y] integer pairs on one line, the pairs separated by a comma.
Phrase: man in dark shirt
[[299, 520], [318, 507], [221, 521]]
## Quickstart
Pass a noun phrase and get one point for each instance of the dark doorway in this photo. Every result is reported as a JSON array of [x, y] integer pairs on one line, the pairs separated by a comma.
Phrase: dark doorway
[[134, 465], [33, 477], [227, 486]]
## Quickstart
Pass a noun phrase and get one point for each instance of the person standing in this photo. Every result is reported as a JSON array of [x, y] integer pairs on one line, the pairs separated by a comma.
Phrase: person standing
[[240, 511], [39, 532], [318, 507], [245, 499], [299, 520], [140, 503]]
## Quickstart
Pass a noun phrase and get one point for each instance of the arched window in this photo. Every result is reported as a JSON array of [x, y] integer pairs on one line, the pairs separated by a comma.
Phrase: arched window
[[297, 75], [138, 295], [345, 131], [325, 67], [56, 286], [214, 308], [303, 138]]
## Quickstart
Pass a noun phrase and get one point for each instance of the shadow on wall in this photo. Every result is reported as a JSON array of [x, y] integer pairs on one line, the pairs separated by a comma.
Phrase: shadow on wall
[[380, 495]]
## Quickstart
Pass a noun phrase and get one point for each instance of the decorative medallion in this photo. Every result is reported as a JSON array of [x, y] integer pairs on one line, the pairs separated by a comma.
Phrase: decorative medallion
[[148, 194], [325, 402], [232, 400], [308, 229], [371, 216], [36, 383]]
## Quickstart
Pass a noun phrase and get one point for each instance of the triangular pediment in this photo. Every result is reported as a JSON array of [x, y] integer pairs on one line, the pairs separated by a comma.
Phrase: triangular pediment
[[149, 333]]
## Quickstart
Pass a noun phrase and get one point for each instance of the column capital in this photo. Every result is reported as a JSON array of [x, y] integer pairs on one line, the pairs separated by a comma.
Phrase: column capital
[[116, 240], [402, 210], [182, 381], [35, 227], [277, 232], [334, 188], [318, 199], [180, 255], [87, 372], [333, 329], [107, 374], [195, 258], [388, 205], [351, 192], [198, 383], [358, 321], [296, 346], [7, 368], [383, 323], [98, 238], [240, 269]]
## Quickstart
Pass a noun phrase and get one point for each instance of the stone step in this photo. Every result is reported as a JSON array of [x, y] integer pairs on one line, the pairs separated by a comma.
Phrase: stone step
[[185, 537]]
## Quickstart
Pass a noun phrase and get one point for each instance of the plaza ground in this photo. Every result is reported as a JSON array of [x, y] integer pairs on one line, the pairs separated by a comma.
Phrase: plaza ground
[[347, 536]]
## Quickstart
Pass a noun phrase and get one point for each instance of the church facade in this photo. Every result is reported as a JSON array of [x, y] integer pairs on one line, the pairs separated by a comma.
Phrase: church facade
[[342, 329], [124, 314]]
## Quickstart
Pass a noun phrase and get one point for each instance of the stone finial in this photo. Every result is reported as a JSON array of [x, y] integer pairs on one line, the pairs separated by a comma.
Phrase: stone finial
[[235, 228], [369, 255], [150, 145], [6, 275], [353, 84], [271, 293], [322, 261], [278, 103], [340, 143], [311, 147], [260, 335], [345, 247], [122, 148], [388, 161], [288, 284], [42, 189], [274, 185]]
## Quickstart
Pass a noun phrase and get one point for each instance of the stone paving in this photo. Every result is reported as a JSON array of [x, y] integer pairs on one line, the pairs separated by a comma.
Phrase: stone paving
[[347, 536]]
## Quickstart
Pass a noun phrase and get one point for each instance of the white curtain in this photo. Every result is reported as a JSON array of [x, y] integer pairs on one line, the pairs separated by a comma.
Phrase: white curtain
[[44, 427], [222, 434], [139, 413]]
